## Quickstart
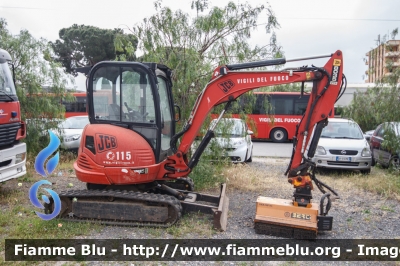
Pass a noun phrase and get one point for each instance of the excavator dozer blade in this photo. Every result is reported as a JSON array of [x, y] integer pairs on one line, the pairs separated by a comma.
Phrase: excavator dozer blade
[[279, 217], [218, 206]]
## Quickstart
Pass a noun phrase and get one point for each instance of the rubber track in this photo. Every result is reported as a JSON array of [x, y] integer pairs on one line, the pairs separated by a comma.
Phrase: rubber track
[[128, 195], [284, 231]]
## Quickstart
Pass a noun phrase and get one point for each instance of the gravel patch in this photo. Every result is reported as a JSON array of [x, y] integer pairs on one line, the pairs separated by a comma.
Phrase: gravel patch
[[357, 215]]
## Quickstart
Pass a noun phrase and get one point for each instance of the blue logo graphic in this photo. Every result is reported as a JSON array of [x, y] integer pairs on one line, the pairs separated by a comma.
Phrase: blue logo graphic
[[50, 166], [45, 153], [57, 202]]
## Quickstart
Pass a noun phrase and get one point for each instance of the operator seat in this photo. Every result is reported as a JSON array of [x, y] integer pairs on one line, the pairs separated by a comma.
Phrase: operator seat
[[114, 112]]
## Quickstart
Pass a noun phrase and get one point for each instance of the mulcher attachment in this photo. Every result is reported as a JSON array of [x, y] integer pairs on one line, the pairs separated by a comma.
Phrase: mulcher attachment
[[284, 231], [279, 217]]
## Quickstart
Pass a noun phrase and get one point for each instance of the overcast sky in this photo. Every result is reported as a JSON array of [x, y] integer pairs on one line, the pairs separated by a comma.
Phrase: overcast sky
[[308, 27]]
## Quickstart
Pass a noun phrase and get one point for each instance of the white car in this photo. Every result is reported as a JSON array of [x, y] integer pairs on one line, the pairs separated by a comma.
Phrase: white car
[[71, 131], [233, 138], [342, 145]]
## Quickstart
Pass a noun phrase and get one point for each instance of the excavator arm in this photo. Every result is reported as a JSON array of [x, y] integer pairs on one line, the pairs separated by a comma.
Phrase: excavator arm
[[227, 84], [298, 218]]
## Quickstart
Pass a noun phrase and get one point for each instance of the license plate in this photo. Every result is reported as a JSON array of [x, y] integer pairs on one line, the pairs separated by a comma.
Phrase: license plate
[[343, 159]]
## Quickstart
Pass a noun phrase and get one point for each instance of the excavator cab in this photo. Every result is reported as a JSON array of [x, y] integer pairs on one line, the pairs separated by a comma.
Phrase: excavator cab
[[131, 126], [134, 96]]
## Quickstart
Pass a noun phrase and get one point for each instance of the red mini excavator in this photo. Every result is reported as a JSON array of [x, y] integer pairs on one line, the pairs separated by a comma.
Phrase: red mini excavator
[[136, 174]]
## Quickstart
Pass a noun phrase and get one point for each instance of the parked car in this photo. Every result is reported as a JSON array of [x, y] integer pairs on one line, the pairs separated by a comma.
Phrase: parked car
[[368, 134], [70, 131], [386, 156], [232, 139], [342, 146]]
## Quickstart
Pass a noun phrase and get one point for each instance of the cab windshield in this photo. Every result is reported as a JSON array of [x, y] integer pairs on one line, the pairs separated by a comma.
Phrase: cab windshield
[[342, 130], [74, 123], [123, 94], [6, 82], [229, 128]]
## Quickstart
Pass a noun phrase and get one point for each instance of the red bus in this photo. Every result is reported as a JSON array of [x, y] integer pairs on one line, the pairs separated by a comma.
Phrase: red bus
[[77, 107], [276, 114]]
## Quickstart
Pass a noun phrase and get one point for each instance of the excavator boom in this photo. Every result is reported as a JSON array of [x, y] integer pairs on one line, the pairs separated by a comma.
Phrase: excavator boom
[[298, 218], [227, 85]]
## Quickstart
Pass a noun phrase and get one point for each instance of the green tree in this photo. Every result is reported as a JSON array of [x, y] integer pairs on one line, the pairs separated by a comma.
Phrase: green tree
[[193, 47], [379, 104], [35, 69], [82, 45]]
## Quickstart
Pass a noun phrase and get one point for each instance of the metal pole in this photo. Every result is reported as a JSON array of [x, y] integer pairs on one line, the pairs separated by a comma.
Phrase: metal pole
[[271, 62], [308, 58]]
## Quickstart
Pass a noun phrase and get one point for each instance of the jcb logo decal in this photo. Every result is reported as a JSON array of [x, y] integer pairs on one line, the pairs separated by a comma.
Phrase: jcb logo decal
[[105, 142], [226, 85]]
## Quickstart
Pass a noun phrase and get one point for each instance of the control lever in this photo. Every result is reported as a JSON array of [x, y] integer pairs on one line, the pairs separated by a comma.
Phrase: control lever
[[127, 107], [133, 113]]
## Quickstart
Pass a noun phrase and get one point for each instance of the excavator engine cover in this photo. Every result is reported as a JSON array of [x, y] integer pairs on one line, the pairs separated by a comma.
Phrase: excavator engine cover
[[279, 217]]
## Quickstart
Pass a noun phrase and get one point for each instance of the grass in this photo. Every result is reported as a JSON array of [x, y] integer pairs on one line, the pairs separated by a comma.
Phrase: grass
[[246, 178], [207, 174], [18, 219], [381, 182], [194, 224], [387, 208], [367, 211]]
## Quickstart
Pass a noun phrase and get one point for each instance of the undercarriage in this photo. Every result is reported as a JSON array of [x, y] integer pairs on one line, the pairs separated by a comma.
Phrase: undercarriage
[[132, 207]]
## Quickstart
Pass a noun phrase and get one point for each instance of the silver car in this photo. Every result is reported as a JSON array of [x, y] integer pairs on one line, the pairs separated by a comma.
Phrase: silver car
[[71, 130], [342, 146]]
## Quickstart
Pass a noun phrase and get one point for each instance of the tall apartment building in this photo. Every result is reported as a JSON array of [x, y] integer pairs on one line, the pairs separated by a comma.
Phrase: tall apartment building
[[378, 58]]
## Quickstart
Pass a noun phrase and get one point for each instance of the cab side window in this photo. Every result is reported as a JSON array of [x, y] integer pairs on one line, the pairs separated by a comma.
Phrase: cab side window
[[166, 114]]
